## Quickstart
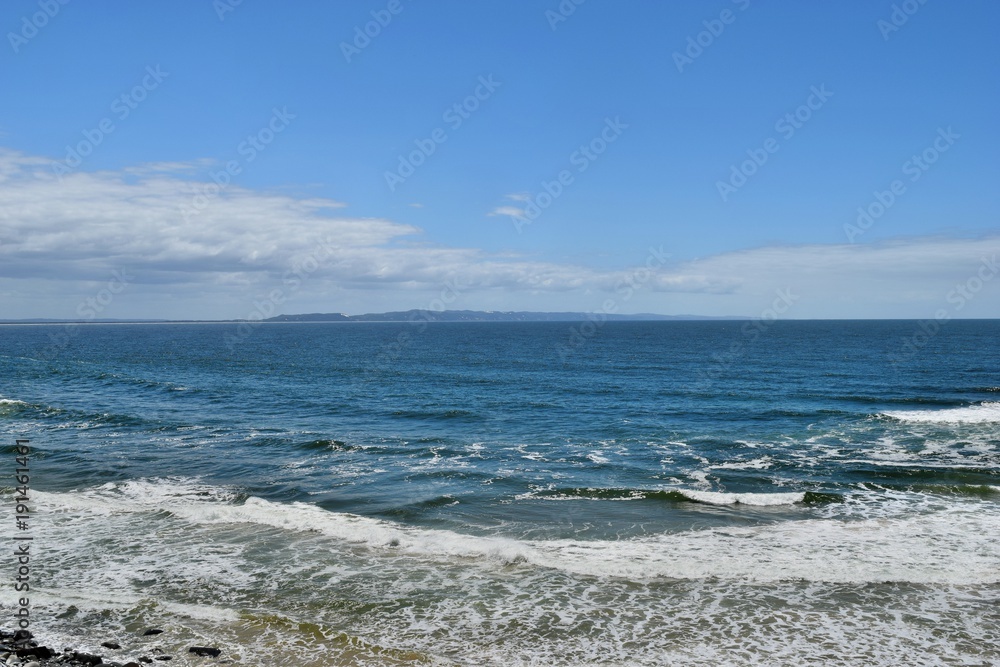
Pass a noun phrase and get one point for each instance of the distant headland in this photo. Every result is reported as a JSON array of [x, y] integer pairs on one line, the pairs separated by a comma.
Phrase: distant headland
[[484, 316], [406, 316]]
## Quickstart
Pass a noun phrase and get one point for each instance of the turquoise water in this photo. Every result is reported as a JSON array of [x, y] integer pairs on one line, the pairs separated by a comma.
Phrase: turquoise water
[[525, 493]]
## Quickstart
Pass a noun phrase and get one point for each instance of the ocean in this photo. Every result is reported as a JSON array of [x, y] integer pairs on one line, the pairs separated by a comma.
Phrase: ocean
[[506, 494]]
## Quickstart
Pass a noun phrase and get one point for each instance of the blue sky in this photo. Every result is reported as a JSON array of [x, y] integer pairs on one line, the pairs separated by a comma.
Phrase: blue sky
[[711, 154]]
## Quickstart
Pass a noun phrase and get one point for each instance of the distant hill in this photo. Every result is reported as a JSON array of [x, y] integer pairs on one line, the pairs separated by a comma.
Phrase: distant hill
[[482, 316], [407, 316], [311, 317]]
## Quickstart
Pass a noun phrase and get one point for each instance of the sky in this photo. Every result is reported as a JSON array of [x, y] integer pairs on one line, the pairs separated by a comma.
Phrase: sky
[[214, 159]]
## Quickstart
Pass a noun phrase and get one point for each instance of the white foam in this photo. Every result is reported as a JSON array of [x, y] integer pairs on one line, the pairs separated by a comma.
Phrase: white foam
[[944, 543], [139, 494], [200, 611], [762, 463], [756, 499], [973, 414], [701, 477], [940, 548], [206, 506], [782, 594], [95, 598], [356, 529]]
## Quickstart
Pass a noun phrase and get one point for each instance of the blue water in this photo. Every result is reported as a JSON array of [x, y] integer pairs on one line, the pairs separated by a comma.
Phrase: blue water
[[522, 493]]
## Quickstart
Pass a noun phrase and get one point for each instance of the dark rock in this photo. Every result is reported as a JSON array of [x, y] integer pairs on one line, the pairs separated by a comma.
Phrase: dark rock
[[152, 631], [131, 664], [42, 652], [111, 645], [145, 659], [70, 612], [164, 657], [87, 658], [205, 651]]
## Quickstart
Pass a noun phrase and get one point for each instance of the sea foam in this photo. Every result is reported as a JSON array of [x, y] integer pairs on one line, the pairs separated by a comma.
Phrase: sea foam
[[755, 499], [951, 545], [973, 414]]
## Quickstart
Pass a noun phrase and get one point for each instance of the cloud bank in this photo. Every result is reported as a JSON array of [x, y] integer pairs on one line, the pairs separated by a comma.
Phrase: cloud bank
[[210, 250]]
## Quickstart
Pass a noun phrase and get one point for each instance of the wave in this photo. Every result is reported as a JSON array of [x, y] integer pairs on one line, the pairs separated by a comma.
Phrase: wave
[[984, 491], [329, 445], [688, 495], [17, 409], [12, 401], [417, 508], [988, 412], [754, 499], [14, 406], [949, 545]]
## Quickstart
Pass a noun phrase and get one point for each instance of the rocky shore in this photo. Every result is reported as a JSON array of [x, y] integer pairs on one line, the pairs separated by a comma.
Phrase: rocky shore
[[19, 649]]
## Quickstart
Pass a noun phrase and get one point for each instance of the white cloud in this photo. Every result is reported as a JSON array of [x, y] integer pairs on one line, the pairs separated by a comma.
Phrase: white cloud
[[910, 277], [58, 239], [512, 211]]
